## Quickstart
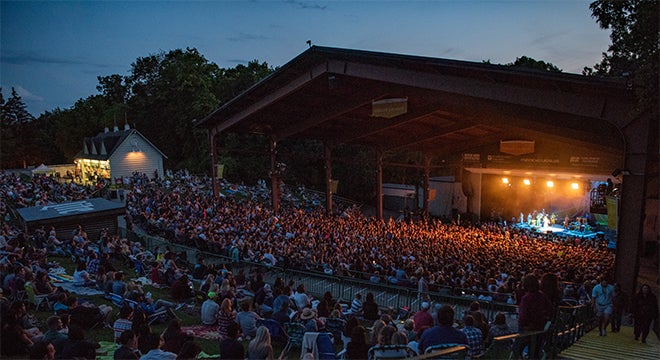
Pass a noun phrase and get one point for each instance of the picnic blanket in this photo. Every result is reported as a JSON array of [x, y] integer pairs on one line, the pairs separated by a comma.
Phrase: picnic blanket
[[106, 351], [66, 282], [202, 331]]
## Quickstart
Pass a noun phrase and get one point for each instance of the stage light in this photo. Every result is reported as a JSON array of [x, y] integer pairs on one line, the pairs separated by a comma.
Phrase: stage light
[[575, 186], [550, 183], [505, 180], [527, 182]]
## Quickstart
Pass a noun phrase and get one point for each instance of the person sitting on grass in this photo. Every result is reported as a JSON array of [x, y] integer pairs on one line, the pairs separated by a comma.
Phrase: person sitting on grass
[[181, 290], [189, 350], [88, 315], [77, 346], [260, 348], [119, 285], [53, 335], [149, 307], [81, 277], [128, 347], [124, 322], [209, 309], [230, 347], [225, 317], [248, 320], [154, 342], [174, 337]]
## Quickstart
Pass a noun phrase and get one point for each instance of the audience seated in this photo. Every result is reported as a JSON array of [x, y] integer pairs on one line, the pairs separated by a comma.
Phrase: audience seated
[[77, 346], [443, 333], [127, 349], [230, 347]]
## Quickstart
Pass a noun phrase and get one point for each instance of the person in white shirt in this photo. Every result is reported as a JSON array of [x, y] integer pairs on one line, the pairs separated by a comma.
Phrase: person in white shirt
[[210, 309], [301, 299], [602, 295]]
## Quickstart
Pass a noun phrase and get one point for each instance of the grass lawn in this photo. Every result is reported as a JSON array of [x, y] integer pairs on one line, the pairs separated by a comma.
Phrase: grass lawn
[[210, 347]]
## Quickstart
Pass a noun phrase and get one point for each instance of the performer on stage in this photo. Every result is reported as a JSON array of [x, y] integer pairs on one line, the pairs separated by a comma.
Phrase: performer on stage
[[546, 221], [522, 217]]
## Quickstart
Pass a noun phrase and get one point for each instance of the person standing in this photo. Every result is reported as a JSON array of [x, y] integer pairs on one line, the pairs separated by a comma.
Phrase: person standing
[[645, 310], [619, 306], [535, 311], [601, 296]]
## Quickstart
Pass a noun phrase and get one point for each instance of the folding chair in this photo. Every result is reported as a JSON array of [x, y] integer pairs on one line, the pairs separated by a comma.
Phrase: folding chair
[[116, 300], [277, 332], [295, 332], [36, 300], [335, 326], [390, 352], [325, 346], [448, 351]]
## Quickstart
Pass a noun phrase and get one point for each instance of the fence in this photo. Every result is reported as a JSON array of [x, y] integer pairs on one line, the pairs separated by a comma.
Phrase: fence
[[569, 324], [343, 288]]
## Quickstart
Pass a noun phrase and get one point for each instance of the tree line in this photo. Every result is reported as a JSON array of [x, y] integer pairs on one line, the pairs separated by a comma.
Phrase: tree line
[[164, 93]]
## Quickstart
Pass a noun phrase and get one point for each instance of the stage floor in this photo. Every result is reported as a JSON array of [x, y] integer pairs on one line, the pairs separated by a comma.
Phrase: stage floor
[[558, 230]]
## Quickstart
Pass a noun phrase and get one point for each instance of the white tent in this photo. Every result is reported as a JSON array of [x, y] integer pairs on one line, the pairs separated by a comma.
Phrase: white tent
[[42, 169]]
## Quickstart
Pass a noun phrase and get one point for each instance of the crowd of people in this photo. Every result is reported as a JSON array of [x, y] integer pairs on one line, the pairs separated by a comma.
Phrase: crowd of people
[[428, 254], [481, 257]]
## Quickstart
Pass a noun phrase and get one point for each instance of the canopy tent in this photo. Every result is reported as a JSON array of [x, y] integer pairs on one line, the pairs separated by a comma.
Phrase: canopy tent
[[42, 169]]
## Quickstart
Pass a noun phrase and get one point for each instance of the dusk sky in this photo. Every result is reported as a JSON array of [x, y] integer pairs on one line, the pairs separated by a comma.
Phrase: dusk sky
[[52, 52]]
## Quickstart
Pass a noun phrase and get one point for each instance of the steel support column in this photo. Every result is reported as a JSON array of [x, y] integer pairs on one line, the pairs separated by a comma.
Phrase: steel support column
[[275, 176], [379, 184], [427, 188], [633, 198], [328, 178], [214, 170]]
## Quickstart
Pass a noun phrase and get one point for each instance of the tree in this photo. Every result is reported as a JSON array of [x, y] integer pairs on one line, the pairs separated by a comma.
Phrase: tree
[[169, 91], [530, 63], [634, 49], [14, 112], [86, 118], [17, 135]]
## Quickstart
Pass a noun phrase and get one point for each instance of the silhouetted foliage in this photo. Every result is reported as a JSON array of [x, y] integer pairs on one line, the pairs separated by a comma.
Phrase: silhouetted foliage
[[634, 49]]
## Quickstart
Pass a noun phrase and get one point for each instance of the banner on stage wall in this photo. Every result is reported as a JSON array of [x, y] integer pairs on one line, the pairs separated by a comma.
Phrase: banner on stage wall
[[517, 147], [334, 184], [220, 169], [612, 212]]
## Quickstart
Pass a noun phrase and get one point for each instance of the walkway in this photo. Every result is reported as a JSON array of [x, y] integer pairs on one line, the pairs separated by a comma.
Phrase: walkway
[[613, 346]]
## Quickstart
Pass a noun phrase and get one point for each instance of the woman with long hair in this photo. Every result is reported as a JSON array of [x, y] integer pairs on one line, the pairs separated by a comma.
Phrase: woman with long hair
[[260, 347], [645, 310], [550, 288], [370, 308], [225, 317], [358, 347], [174, 337]]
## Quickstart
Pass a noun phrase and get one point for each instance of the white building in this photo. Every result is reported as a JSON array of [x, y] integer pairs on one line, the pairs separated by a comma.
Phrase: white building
[[117, 154]]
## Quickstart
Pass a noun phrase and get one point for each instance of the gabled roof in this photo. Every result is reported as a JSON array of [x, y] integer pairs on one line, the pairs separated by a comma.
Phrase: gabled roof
[[449, 107], [103, 145]]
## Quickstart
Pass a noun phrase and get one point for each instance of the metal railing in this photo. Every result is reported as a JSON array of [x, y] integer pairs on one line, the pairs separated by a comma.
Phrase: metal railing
[[343, 288]]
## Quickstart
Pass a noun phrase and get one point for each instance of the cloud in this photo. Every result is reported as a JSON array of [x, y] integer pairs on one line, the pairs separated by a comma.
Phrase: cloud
[[246, 37], [30, 58], [26, 95], [238, 61], [307, 5]]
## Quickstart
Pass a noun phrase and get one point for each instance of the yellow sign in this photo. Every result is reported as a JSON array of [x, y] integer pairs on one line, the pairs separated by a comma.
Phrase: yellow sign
[[612, 211], [220, 169]]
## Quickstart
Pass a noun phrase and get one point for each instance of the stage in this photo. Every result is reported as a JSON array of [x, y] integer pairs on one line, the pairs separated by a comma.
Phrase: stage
[[586, 232]]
